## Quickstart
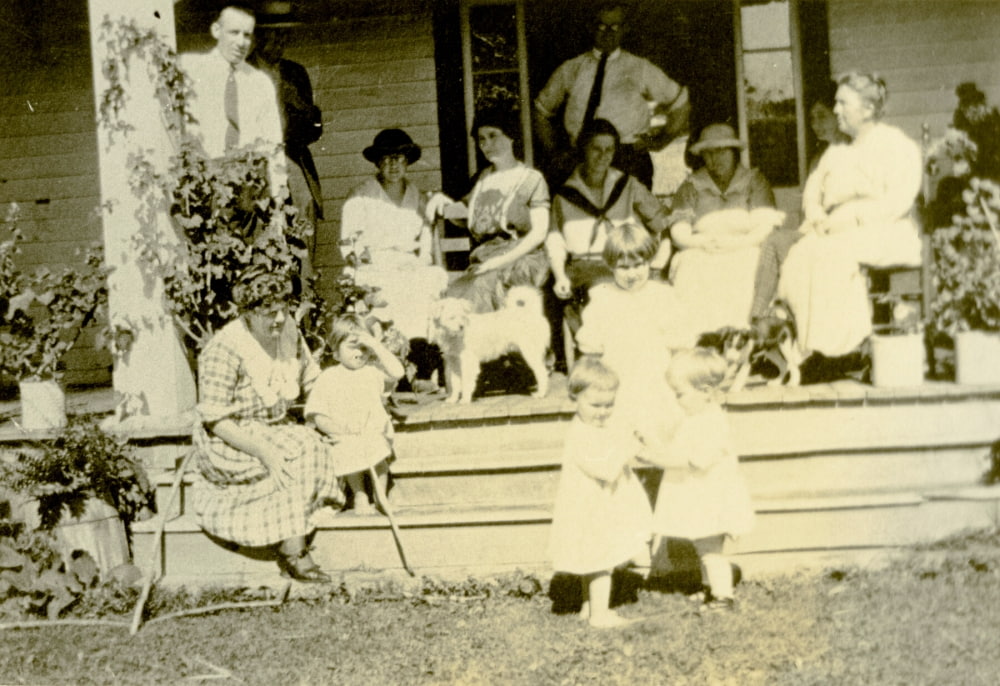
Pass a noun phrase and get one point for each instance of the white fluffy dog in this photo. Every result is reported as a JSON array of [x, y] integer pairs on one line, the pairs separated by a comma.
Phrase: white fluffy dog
[[467, 339]]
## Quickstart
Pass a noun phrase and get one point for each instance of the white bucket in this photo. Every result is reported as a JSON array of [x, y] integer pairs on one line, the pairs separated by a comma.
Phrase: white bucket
[[99, 531], [897, 361], [977, 357], [43, 405]]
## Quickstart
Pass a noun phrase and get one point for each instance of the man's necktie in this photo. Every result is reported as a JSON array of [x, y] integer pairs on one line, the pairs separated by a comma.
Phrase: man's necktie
[[232, 112], [595, 92]]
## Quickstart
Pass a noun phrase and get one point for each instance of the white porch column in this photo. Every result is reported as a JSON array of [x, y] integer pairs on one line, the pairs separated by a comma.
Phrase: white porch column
[[153, 381]]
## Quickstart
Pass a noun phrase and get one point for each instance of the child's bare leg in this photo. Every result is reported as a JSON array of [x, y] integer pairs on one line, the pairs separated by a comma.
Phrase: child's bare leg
[[599, 591], [585, 595], [356, 481], [715, 568]]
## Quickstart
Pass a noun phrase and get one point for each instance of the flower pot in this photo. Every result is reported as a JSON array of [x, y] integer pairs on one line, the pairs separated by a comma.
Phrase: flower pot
[[43, 405], [99, 531], [977, 357], [898, 360]]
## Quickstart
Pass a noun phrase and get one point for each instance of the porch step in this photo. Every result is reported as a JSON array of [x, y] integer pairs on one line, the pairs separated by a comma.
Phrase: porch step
[[530, 476], [434, 539], [438, 539]]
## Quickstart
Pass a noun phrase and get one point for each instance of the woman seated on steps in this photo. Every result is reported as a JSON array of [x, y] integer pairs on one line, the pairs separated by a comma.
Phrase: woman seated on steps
[[265, 476]]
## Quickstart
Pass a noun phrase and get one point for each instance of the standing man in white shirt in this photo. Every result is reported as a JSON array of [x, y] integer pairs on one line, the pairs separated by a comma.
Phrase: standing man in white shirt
[[233, 104], [609, 83]]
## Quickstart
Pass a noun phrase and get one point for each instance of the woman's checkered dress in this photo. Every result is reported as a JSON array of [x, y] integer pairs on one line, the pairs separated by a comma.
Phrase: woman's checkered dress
[[238, 500]]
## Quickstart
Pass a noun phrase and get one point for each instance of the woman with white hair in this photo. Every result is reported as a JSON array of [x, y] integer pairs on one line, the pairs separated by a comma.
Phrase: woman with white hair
[[859, 210]]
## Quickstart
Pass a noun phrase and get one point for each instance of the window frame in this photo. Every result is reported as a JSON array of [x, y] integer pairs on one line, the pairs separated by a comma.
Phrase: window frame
[[468, 75], [798, 85]]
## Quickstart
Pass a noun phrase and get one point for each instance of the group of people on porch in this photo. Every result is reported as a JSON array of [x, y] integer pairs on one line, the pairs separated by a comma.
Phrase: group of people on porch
[[725, 249], [639, 275]]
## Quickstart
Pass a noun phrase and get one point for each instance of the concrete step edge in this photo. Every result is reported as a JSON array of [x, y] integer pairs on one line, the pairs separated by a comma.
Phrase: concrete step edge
[[458, 515], [412, 517]]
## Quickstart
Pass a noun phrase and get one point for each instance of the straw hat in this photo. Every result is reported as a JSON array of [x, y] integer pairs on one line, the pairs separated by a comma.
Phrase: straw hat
[[392, 142], [715, 137], [277, 15]]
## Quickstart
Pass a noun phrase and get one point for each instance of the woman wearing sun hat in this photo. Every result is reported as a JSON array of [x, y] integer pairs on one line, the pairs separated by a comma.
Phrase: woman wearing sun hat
[[722, 215], [384, 218]]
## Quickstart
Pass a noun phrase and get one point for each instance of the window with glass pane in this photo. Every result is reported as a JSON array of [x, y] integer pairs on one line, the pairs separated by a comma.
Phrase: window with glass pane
[[769, 83], [495, 69]]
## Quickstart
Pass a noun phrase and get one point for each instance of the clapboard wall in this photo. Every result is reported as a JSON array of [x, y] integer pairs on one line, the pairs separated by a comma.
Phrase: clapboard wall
[[48, 150], [923, 49]]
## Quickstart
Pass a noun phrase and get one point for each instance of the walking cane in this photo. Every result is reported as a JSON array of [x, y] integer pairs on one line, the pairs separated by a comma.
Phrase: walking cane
[[383, 501]]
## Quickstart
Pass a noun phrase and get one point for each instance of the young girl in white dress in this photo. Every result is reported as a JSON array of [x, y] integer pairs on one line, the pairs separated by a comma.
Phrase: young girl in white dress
[[601, 516], [702, 496], [346, 405], [633, 323]]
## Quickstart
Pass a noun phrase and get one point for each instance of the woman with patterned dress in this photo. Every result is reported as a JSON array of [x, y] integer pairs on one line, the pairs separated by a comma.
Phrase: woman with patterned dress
[[384, 219], [264, 476], [508, 218]]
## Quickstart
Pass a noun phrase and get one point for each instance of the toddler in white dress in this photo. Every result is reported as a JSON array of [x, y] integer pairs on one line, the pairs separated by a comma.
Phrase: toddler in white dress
[[346, 405], [601, 515], [702, 496]]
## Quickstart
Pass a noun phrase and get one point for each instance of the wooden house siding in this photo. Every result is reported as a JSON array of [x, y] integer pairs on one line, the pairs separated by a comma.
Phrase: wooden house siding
[[48, 166], [367, 74], [923, 49]]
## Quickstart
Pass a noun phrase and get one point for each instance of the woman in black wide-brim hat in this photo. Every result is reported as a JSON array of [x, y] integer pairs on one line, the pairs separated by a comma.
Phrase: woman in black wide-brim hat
[[385, 216]]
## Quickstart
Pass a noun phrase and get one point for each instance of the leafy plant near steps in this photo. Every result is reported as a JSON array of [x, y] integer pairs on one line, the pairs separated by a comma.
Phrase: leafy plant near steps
[[34, 580], [967, 264], [228, 221], [80, 463]]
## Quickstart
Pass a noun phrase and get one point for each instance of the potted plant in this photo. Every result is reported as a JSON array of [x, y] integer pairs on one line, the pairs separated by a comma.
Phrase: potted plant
[[86, 486], [966, 273], [41, 317], [897, 348]]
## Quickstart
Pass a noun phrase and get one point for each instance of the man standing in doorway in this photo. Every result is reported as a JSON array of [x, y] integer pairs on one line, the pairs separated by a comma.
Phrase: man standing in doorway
[[233, 104], [609, 83], [301, 119]]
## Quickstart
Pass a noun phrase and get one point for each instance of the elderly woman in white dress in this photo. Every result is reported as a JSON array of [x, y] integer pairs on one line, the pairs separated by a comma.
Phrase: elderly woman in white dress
[[383, 222], [858, 206]]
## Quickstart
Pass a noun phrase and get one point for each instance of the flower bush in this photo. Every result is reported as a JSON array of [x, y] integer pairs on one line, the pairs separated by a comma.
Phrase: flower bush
[[966, 269], [43, 313]]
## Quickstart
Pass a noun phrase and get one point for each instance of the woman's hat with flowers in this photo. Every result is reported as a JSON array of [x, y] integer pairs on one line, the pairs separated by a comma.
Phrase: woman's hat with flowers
[[715, 137], [392, 142]]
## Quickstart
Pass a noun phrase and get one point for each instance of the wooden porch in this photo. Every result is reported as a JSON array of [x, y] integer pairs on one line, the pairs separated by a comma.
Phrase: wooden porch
[[839, 472]]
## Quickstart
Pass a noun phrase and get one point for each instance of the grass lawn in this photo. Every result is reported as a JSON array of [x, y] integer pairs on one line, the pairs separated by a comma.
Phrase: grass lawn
[[932, 617]]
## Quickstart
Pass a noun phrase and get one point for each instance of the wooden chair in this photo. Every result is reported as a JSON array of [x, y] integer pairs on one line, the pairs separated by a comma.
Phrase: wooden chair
[[450, 248], [908, 284]]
